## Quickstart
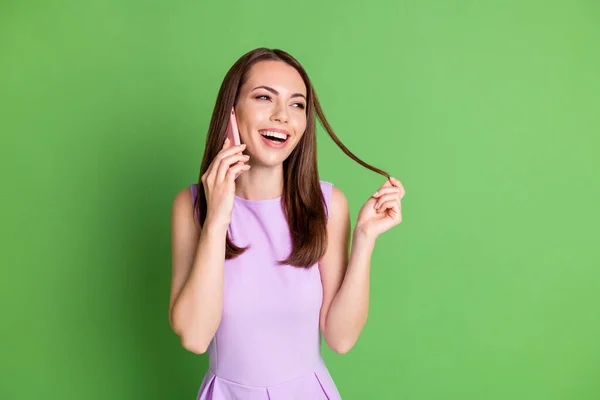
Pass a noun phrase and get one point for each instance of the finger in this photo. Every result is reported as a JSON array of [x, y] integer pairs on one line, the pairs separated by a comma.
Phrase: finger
[[386, 190], [387, 183], [227, 162], [392, 208], [234, 171], [396, 183], [229, 151], [385, 198]]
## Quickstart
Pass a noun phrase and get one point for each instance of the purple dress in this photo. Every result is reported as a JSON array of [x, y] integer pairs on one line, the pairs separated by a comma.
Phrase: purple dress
[[267, 346]]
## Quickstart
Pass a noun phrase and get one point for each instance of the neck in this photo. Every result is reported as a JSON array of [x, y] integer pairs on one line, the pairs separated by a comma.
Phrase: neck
[[260, 183]]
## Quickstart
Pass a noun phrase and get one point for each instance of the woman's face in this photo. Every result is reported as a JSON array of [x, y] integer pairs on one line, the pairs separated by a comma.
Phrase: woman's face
[[271, 112]]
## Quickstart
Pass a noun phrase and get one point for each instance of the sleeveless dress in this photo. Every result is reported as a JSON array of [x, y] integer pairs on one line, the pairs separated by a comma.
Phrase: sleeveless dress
[[267, 346]]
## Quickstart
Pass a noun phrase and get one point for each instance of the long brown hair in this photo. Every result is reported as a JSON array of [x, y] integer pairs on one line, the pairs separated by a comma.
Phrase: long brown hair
[[303, 200]]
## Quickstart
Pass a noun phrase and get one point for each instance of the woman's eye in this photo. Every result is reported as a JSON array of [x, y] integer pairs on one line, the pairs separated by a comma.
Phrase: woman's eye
[[266, 97]]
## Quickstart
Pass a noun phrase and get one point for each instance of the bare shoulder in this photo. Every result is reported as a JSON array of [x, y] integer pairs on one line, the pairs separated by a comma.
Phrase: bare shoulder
[[339, 206], [183, 199], [337, 196], [183, 210], [185, 230], [338, 228]]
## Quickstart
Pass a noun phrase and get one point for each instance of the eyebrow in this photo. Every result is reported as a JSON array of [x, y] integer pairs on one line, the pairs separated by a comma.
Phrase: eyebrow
[[270, 89]]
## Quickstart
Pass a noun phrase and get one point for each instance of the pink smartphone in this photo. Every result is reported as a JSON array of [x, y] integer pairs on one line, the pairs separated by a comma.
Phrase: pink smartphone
[[233, 132], [232, 129]]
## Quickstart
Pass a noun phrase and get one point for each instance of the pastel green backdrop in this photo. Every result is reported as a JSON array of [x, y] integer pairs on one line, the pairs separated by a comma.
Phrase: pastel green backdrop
[[486, 111]]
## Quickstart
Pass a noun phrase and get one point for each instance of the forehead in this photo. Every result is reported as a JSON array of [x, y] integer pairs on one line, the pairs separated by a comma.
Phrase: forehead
[[276, 74]]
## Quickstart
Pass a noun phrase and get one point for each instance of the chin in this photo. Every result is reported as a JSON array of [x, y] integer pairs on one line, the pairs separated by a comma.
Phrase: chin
[[269, 162], [269, 157]]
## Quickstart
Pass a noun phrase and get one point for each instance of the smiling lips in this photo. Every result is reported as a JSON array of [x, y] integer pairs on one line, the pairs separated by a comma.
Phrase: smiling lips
[[274, 137]]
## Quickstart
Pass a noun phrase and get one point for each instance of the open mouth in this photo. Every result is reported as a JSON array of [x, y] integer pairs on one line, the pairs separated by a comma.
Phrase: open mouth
[[275, 137]]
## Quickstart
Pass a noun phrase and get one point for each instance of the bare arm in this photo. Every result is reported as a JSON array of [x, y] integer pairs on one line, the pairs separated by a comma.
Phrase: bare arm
[[197, 276], [345, 279], [198, 255]]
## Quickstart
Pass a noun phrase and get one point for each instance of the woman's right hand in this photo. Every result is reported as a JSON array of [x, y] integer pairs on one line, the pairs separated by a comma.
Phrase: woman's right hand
[[219, 182]]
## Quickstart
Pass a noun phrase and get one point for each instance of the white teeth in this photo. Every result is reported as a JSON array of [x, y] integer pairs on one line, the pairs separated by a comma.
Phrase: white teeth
[[278, 135]]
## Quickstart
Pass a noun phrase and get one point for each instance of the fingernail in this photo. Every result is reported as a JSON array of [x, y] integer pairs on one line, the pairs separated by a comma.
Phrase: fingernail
[[376, 193], [226, 140]]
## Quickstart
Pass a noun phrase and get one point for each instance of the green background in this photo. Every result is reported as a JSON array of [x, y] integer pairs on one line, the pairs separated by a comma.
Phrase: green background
[[486, 111]]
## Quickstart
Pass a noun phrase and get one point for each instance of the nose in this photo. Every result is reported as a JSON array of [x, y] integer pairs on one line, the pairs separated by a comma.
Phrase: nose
[[280, 114]]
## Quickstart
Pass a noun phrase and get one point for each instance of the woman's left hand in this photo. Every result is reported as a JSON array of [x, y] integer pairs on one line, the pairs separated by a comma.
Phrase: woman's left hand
[[383, 210]]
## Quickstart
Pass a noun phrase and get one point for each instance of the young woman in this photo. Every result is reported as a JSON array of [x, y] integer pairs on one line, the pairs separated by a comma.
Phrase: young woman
[[261, 262]]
